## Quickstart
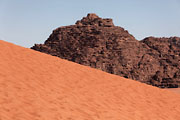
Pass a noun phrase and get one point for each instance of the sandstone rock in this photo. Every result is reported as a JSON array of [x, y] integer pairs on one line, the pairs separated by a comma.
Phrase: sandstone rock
[[93, 19], [96, 42]]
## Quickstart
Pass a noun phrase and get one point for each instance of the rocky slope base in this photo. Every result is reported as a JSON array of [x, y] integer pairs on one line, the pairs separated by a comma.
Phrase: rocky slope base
[[96, 42]]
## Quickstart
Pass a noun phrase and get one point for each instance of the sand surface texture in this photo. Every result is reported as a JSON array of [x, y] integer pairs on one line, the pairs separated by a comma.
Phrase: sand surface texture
[[36, 86], [176, 90]]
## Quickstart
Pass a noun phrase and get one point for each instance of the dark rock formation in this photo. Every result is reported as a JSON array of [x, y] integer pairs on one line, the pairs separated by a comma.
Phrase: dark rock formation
[[166, 52], [96, 42]]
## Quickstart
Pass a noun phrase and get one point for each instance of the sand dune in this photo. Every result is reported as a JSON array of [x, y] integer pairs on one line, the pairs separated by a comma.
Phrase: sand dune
[[36, 86]]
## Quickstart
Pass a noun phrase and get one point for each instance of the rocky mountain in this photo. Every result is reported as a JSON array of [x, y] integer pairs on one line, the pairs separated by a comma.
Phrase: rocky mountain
[[97, 42]]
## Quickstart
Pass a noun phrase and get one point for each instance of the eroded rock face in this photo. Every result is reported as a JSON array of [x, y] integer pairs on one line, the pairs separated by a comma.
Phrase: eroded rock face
[[96, 42], [166, 51]]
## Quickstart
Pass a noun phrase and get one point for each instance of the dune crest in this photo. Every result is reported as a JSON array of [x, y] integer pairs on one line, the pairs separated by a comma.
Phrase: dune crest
[[37, 86]]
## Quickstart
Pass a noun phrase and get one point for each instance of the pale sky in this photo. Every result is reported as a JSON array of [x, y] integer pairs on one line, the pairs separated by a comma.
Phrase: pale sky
[[25, 22]]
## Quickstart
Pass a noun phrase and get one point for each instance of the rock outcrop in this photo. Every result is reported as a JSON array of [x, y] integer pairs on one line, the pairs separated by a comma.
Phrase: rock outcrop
[[96, 42], [166, 54]]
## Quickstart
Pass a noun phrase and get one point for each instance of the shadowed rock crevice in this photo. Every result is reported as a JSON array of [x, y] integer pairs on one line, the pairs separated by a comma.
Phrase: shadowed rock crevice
[[96, 42]]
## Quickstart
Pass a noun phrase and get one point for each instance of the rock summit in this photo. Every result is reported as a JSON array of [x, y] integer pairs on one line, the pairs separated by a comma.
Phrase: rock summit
[[98, 43]]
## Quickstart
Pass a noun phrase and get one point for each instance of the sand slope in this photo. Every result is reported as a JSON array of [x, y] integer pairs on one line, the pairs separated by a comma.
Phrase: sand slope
[[36, 86], [176, 90]]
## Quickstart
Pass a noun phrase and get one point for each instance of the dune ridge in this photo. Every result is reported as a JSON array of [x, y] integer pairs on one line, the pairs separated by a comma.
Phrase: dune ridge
[[37, 86]]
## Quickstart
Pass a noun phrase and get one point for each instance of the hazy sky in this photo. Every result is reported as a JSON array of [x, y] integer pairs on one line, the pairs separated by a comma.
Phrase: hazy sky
[[25, 22]]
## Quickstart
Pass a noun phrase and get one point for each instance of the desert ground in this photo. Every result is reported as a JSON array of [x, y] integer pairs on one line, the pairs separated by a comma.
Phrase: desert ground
[[176, 90], [37, 86]]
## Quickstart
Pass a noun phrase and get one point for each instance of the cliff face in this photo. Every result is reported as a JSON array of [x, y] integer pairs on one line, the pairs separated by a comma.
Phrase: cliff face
[[96, 42]]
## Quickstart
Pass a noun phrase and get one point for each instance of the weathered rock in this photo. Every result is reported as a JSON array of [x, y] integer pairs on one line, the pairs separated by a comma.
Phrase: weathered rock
[[93, 19], [167, 52], [96, 42]]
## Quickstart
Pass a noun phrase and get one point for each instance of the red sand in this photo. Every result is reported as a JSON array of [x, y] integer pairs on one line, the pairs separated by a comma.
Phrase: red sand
[[36, 86], [176, 90]]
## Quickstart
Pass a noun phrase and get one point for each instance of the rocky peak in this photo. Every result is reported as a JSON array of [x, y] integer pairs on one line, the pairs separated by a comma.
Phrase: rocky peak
[[92, 16], [96, 42], [93, 19]]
